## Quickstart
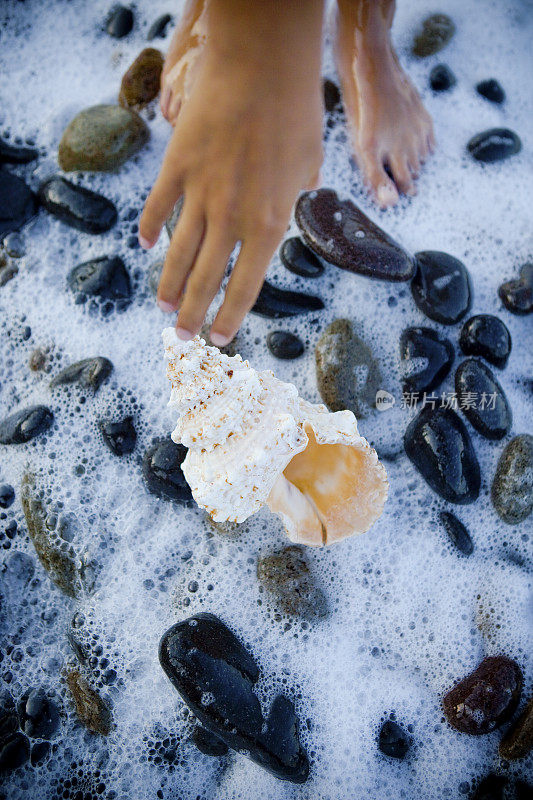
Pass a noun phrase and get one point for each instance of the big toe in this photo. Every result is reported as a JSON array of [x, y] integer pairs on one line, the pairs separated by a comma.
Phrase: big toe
[[401, 173], [376, 177]]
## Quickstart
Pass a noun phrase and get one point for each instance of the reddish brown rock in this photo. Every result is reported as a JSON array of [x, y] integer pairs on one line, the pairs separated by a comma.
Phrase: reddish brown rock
[[141, 81]]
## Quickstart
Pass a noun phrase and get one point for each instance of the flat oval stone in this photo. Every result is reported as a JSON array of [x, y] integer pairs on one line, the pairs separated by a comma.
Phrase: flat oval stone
[[438, 444], [105, 278], [162, 472], [393, 740], [441, 287], [119, 436], [26, 424], [207, 743], [15, 154], [119, 22], [18, 204], [279, 303], [14, 746], [7, 495], [427, 357], [215, 675], [38, 714], [517, 741], [512, 488], [78, 207], [491, 90], [298, 258], [486, 336], [517, 294], [495, 144], [89, 373], [158, 27], [283, 344], [141, 81], [436, 32], [457, 533], [486, 698], [482, 399], [441, 78], [338, 231]]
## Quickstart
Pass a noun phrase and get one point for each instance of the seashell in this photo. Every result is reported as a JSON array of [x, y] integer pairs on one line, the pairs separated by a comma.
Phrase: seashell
[[253, 441]]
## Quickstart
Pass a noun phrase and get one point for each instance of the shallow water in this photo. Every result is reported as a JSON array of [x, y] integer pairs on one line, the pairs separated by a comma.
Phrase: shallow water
[[408, 609]]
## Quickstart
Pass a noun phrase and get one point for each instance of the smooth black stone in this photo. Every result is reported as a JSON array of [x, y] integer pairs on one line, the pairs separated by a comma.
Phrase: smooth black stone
[[486, 336], [338, 231], [39, 752], [495, 144], [441, 287], [285, 345], [457, 533], [18, 204], [89, 373], [441, 78], [15, 154], [158, 27], [76, 206], [298, 258], [332, 96], [38, 715], [119, 22], [201, 655], [517, 294], [105, 278], [473, 379], [278, 303], [163, 474], [7, 495], [14, 746], [492, 787], [427, 344], [491, 90], [24, 425], [120, 436], [207, 743], [393, 740], [438, 444]]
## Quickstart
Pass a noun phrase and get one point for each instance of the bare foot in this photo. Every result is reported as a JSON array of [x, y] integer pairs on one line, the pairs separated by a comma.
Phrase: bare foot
[[392, 132], [182, 59]]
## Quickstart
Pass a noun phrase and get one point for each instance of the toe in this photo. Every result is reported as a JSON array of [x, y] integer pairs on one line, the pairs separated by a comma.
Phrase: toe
[[402, 174], [376, 177]]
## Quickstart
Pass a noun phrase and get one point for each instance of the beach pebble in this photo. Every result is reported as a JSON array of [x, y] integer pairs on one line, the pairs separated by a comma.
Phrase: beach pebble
[[439, 445], [298, 258], [495, 144], [154, 276], [434, 35], [425, 358], [103, 137], [441, 287], [207, 743], [88, 374], [14, 746], [78, 207], [105, 278], [8, 270], [283, 344], [441, 78], [92, 711], [332, 96], [141, 80], [38, 714], [119, 22], [486, 698], [119, 436], [279, 303], [14, 245], [482, 399], [338, 231], [162, 471], [285, 575], [486, 336], [158, 28], [16, 154], [215, 675], [393, 740], [517, 741], [457, 533], [512, 488], [24, 425], [18, 204], [491, 90], [7, 495], [517, 294]]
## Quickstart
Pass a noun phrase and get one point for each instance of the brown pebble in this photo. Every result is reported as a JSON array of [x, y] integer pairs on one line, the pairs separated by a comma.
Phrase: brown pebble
[[518, 741], [141, 80], [38, 358], [92, 711]]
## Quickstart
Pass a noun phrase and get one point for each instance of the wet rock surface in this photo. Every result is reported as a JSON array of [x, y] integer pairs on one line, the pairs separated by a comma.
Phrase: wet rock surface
[[286, 576], [24, 425], [280, 303], [141, 81], [283, 344], [163, 474], [441, 78], [434, 35], [486, 336], [457, 533], [207, 743], [338, 231], [76, 206], [92, 711], [14, 746], [16, 154], [119, 22], [18, 204], [120, 436], [90, 373], [438, 444], [104, 278], [486, 698], [38, 714], [495, 144], [482, 399], [348, 375], [517, 294], [157, 29], [298, 258], [512, 488], [393, 741], [517, 741], [202, 656], [426, 358], [491, 90], [441, 287]]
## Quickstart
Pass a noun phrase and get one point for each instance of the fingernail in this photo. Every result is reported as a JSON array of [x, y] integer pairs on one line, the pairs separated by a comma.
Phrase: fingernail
[[166, 307], [183, 334], [145, 244], [219, 340]]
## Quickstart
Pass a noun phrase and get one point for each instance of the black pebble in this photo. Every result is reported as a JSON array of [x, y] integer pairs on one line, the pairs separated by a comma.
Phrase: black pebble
[[207, 743], [18, 204], [285, 345], [163, 474], [278, 303], [491, 90], [120, 436], [119, 22], [76, 206], [158, 28], [332, 96], [14, 746], [457, 533], [7, 495], [441, 78], [38, 715], [14, 154], [438, 355], [89, 373], [486, 336], [495, 144], [105, 278], [517, 294], [39, 752], [393, 740], [298, 258], [489, 412], [441, 287], [24, 425]]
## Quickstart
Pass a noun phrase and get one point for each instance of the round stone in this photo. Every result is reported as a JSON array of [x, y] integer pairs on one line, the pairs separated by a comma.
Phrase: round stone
[[512, 488], [457, 533], [482, 399], [495, 144], [441, 78], [298, 258], [491, 90], [441, 287], [283, 344], [486, 336], [7, 495]]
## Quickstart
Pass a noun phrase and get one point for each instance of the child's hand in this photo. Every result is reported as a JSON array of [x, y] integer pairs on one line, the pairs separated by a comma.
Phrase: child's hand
[[246, 142]]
